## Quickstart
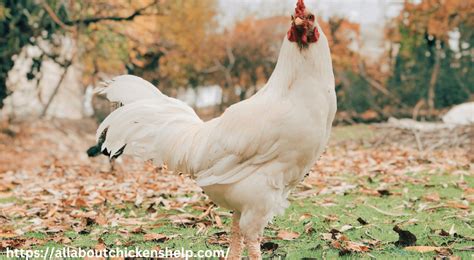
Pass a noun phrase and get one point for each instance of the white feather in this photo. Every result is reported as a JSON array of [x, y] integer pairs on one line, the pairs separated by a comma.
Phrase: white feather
[[250, 157], [127, 89]]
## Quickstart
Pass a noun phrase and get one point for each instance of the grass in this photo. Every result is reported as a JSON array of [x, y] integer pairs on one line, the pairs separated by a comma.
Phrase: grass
[[407, 198], [345, 210], [352, 132], [351, 206]]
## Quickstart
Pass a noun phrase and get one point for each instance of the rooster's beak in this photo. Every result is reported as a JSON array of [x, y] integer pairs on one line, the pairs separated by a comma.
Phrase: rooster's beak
[[298, 21]]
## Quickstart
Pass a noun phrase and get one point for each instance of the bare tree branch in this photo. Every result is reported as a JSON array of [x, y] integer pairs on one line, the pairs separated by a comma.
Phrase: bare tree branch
[[69, 24], [55, 18], [378, 86], [87, 21], [56, 89]]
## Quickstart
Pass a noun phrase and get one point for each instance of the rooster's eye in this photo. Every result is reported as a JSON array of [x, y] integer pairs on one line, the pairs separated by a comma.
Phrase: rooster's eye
[[311, 17]]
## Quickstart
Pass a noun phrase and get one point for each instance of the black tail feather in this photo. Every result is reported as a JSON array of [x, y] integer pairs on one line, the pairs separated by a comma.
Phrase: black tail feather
[[95, 150]]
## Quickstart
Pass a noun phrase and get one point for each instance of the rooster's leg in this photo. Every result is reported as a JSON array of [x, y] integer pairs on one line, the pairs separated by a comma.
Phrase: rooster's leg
[[236, 240], [253, 247], [252, 223]]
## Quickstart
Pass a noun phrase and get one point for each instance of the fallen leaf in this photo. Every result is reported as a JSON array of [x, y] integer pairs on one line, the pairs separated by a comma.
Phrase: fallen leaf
[[456, 205], [62, 240], [422, 249], [345, 228], [469, 198], [369, 192], [155, 237], [433, 197], [183, 219], [288, 235], [138, 230], [444, 252], [80, 202], [219, 238], [100, 245], [305, 216], [101, 220], [330, 218], [356, 247], [345, 246], [218, 221]]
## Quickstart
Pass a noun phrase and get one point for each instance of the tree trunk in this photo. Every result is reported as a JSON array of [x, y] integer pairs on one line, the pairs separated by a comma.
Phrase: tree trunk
[[434, 80]]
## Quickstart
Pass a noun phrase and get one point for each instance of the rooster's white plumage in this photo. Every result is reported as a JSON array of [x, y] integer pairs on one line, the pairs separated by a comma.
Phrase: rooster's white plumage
[[256, 152]]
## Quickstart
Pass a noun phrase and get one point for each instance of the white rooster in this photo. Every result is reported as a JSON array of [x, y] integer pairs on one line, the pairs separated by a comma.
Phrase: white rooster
[[251, 157]]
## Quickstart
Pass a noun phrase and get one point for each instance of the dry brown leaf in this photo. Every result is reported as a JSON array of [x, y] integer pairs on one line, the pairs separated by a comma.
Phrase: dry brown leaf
[[182, 219], [101, 220], [288, 235], [100, 246], [138, 230], [218, 221], [330, 218], [62, 240], [80, 202], [155, 237], [456, 205], [305, 216], [219, 238], [370, 192], [356, 247], [434, 197], [422, 249], [470, 198]]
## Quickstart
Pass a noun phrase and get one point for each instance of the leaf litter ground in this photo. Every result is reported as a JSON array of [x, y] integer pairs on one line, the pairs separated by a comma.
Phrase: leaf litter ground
[[364, 198]]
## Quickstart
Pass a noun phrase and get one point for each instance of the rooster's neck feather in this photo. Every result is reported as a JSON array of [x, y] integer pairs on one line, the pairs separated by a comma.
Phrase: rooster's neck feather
[[295, 63]]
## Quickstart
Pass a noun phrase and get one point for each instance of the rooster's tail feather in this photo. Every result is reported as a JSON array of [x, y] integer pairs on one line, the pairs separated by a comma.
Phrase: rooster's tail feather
[[126, 89], [149, 125]]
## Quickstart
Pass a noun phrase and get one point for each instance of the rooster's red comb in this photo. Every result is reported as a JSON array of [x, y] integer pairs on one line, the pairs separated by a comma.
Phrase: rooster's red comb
[[300, 8]]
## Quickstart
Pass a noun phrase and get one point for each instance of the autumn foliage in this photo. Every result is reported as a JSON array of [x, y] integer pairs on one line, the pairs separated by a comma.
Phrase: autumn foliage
[[182, 44]]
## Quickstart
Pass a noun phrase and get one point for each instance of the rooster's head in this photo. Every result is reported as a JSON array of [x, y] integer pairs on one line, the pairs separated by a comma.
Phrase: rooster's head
[[303, 29]]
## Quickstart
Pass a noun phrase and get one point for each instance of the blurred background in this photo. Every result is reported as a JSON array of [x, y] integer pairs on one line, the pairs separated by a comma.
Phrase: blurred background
[[391, 57]]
